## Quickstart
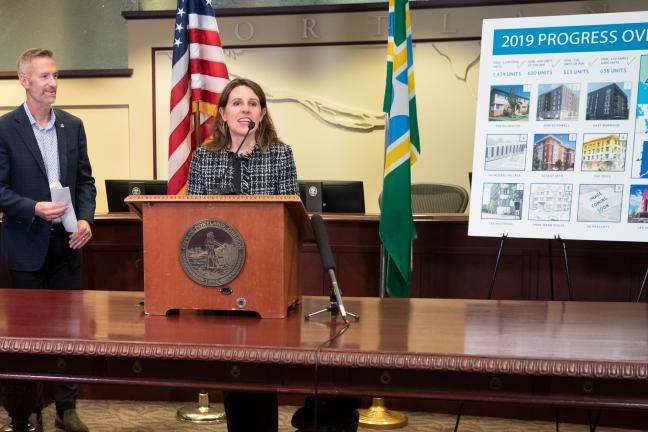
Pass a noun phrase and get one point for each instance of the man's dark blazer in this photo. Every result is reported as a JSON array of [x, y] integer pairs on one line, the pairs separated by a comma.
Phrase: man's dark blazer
[[23, 182]]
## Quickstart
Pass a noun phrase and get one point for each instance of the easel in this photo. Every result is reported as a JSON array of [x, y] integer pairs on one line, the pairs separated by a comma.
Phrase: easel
[[643, 285], [551, 275], [593, 423]]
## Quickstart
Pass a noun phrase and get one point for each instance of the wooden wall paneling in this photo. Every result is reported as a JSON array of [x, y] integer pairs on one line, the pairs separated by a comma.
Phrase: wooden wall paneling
[[311, 273], [112, 260], [599, 270], [447, 262], [358, 272]]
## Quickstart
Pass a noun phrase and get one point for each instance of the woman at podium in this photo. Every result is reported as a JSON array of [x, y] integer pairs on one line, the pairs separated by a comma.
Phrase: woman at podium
[[244, 156]]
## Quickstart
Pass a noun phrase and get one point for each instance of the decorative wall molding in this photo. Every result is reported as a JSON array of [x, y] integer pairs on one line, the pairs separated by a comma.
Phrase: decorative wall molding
[[330, 112], [463, 68], [80, 73], [367, 23]]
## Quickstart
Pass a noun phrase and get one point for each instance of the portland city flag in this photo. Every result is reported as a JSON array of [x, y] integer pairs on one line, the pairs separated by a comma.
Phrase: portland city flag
[[198, 77], [402, 148]]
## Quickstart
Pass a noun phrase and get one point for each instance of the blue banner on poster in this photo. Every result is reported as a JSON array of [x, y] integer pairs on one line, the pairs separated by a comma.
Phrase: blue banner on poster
[[604, 37]]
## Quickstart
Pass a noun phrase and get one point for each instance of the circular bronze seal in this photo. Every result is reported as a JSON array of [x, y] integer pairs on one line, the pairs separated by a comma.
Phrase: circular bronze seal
[[212, 252]]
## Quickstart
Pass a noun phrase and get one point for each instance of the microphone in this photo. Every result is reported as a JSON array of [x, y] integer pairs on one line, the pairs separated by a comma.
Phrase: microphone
[[236, 180], [251, 125], [321, 237]]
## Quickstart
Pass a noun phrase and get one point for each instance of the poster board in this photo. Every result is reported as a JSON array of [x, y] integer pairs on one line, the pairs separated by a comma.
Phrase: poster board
[[561, 137]]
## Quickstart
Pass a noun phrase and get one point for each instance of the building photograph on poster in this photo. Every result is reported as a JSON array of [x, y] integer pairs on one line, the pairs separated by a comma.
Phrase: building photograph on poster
[[506, 152], [604, 152], [502, 201], [642, 97], [638, 204], [550, 201], [608, 101], [640, 154], [509, 103], [600, 203], [554, 152], [640, 159], [558, 102]]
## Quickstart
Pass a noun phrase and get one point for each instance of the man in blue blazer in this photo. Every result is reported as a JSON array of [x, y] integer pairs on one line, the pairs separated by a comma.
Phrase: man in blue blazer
[[41, 146]]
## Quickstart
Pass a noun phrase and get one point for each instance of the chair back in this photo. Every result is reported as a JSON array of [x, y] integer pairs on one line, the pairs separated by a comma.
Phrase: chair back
[[438, 198]]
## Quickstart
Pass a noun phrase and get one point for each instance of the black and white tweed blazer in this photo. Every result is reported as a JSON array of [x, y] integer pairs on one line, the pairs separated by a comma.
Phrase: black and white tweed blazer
[[270, 172]]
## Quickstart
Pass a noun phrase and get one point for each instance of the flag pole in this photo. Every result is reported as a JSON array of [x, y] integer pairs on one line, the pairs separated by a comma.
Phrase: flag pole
[[202, 412], [382, 289], [196, 122], [396, 102]]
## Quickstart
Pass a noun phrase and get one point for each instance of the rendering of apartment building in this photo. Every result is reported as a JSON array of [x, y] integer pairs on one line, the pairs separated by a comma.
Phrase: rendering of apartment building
[[644, 204], [502, 199], [502, 149], [606, 103], [551, 154], [500, 104], [551, 199], [560, 103], [604, 154]]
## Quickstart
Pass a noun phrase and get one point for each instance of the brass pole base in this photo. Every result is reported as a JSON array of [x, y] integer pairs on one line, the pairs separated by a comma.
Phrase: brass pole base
[[377, 416], [201, 413]]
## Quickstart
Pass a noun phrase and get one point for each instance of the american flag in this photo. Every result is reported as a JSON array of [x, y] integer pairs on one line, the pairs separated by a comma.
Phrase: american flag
[[198, 76]]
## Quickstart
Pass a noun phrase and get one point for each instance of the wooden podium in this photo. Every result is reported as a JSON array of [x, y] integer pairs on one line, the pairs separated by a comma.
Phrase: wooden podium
[[190, 242]]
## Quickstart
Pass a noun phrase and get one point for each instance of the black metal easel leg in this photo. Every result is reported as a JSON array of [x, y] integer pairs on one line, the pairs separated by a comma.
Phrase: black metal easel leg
[[497, 261], [643, 285], [456, 428], [593, 424], [551, 276], [569, 282]]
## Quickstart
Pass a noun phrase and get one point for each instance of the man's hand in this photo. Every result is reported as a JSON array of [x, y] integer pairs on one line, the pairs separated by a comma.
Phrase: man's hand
[[79, 238], [50, 210]]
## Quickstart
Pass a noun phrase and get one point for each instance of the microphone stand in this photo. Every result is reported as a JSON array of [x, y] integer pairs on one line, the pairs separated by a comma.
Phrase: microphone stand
[[251, 125], [336, 305], [236, 186]]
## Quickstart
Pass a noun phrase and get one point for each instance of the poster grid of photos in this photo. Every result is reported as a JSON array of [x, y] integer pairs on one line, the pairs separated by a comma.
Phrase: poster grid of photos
[[561, 139]]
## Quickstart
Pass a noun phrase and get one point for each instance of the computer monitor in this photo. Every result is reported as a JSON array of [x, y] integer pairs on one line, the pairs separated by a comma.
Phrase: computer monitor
[[338, 196], [117, 190]]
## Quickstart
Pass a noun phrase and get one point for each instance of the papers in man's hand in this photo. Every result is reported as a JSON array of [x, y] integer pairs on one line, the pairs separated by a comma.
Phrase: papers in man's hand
[[62, 194]]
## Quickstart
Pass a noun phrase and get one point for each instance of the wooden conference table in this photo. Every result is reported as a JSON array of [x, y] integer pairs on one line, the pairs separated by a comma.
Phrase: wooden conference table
[[567, 353]]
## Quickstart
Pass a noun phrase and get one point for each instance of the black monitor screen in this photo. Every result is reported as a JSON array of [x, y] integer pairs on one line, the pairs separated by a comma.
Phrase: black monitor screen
[[339, 196], [117, 190]]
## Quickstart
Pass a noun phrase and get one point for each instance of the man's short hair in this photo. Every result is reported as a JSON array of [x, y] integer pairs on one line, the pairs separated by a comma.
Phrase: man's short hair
[[25, 59]]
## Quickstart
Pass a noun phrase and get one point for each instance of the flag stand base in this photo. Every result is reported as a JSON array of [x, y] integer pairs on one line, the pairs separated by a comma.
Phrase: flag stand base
[[201, 413], [377, 416]]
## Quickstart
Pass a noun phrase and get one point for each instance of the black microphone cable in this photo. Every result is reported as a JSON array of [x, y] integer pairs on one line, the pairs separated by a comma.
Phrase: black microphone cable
[[328, 263], [318, 353]]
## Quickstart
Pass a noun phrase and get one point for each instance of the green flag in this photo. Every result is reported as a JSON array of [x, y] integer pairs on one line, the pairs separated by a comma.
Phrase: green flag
[[402, 149]]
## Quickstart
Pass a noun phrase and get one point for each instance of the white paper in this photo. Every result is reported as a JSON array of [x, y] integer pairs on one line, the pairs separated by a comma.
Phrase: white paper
[[62, 194]]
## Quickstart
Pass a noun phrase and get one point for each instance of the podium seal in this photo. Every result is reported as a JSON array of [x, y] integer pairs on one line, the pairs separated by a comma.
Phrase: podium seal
[[212, 252]]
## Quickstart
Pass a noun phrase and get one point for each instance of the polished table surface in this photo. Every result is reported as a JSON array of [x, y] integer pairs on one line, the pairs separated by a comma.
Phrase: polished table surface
[[593, 354]]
